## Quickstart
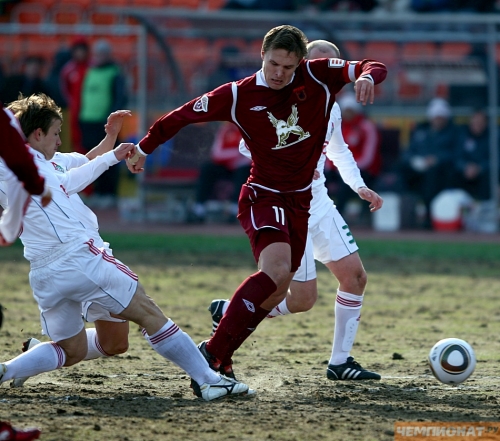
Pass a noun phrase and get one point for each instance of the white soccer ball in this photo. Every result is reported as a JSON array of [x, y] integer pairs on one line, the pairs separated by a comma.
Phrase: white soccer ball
[[452, 360]]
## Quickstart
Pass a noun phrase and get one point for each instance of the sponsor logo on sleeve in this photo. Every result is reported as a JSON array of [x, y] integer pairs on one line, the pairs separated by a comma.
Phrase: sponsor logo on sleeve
[[336, 62], [201, 105]]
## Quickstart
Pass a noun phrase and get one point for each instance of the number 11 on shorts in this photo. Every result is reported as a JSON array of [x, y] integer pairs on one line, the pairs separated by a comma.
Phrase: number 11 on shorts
[[280, 214]]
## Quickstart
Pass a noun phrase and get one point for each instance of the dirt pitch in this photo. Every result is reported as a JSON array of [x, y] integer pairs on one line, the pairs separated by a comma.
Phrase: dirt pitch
[[410, 304]]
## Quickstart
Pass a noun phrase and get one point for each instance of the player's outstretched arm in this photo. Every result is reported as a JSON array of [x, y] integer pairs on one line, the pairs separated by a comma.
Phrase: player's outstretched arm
[[375, 200], [112, 128]]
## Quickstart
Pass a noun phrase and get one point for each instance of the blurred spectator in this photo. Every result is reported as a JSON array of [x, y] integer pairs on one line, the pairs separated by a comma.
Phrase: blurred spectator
[[71, 81], [28, 82], [362, 136], [472, 158], [226, 162], [427, 164], [61, 57], [103, 92], [227, 70]]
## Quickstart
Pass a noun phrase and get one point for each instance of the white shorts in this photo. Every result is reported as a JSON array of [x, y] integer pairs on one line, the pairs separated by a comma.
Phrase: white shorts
[[329, 240], [93, 311], [76, 273]]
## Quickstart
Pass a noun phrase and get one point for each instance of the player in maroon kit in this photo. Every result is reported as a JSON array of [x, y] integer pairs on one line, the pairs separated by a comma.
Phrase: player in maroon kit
[[19, 160], [282, 112]]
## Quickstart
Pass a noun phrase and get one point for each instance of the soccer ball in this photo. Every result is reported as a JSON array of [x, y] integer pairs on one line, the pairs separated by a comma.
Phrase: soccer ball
[[452, 360]]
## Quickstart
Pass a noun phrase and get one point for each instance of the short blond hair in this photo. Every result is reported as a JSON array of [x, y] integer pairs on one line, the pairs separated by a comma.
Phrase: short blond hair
[[37, 111]]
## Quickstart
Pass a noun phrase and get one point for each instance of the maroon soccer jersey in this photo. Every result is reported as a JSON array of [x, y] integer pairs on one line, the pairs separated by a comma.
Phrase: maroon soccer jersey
[[16, 155], [284, 129]]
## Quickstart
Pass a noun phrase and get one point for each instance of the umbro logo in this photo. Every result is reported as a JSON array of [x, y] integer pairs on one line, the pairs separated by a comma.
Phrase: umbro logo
[[250, 306], [258, 108]]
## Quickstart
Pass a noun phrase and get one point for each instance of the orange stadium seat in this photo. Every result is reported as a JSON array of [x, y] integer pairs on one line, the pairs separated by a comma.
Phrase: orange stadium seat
[[350, 50], [149, 3], [407, 90], [29, 13], [385, 51], [454, 50], [187, 4], [124, 47], [45, 46], [215, 4], [46, 3], [82, 3], [419, 51], [68, 14], [103, 18], [114, 3]]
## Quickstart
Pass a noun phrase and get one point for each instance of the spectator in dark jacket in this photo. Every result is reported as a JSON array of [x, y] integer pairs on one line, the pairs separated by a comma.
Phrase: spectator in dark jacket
[[472, 157], [427, 164]]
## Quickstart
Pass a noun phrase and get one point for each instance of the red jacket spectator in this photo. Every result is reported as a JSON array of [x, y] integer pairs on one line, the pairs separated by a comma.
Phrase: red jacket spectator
[[361, 135], [72, 76]]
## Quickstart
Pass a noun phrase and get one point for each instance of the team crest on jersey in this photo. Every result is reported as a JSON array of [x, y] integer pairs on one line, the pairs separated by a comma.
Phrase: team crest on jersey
[[300, 93], [57, 167], [286, 128], [336, 62], [201, 105]]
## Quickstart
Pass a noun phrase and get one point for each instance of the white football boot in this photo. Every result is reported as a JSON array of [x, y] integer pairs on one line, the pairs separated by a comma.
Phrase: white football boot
[[226, 386]]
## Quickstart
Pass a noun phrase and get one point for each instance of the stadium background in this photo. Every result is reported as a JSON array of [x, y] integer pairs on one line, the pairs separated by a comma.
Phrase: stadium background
[[171, 51]]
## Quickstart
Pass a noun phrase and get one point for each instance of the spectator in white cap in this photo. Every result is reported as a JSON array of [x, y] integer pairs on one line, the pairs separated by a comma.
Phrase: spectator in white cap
[[426, 167]]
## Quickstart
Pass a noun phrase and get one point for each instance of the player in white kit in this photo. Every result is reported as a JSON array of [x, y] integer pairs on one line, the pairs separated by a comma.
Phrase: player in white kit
[[329, 241], [68, 268], [110, 335]]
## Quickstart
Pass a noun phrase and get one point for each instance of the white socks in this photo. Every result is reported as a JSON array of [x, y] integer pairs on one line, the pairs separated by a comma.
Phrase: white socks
[[281, 309], [347, 315], [43, 357], [94, 348], [175, 345]]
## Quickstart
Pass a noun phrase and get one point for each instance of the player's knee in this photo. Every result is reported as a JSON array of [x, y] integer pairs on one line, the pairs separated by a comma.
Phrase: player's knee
[[117, 348], [308, 302]]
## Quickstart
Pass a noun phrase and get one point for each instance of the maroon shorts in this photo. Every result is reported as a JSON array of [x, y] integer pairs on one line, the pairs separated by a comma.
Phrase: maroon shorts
[[268, 217]]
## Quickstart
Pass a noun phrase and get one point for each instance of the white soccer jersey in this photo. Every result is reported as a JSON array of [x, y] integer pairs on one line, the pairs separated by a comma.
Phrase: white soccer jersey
[[59, 222], [72, 160], [338, 152]]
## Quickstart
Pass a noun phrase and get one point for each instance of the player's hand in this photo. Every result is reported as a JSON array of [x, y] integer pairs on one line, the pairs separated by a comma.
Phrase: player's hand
[[316, 175], [115, 122], [135, 162], [124, 150], [365, 91], [375, 200], [46, 196]]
